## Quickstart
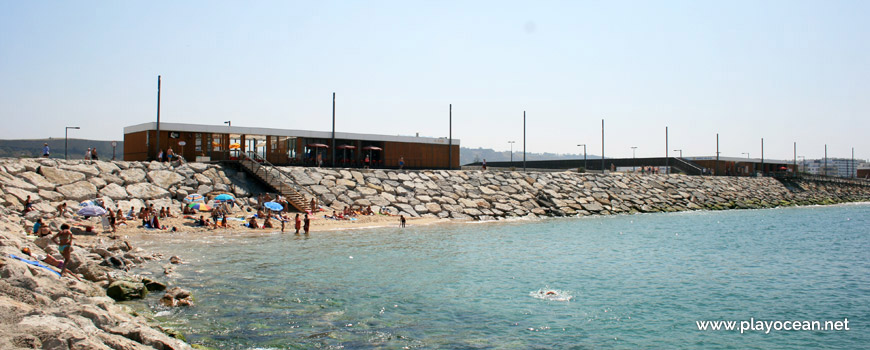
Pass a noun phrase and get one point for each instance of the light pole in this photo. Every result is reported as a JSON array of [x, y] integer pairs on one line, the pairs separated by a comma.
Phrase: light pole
[[681, 152], [512, 152], [803, 167], [746, 153], [633, 148], [584, 155], [66, 139]]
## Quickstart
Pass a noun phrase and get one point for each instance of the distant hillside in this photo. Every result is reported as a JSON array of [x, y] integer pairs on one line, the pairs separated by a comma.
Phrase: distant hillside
[[77, 148], [472, 155]]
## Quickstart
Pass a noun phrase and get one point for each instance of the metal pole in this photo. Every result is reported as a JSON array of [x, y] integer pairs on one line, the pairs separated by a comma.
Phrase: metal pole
[[633, 167], [762, 157], [602, 146], [826, 160], [65, 143], [512, 152], [333, 129], [524, 140], [450, 140], [716, 171], [158, 117], [794, 164], [667, 168], [852, 165], [585, 168]]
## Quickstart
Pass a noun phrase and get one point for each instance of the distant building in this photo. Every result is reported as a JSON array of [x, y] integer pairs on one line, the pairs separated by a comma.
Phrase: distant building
[[840, 167], [289, 147]]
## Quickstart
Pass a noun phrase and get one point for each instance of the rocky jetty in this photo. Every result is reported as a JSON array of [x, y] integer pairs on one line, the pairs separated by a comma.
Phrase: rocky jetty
[[486, 195]]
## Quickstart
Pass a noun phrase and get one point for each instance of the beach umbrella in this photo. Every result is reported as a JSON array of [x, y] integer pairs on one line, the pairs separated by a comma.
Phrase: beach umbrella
[[370, 149], [87, 203], [235, 146], [273, 206], [92, 210], [196, 197], [199, 206], [224, 197]]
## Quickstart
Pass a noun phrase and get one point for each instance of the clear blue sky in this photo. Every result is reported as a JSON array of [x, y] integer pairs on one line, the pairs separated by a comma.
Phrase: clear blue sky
[[783, 70]]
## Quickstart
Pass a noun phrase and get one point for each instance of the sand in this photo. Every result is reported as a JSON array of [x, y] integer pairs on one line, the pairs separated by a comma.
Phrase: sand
[[133, 228]]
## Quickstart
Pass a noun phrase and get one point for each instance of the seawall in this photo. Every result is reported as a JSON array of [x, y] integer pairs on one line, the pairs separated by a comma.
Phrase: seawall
[[475, 194]]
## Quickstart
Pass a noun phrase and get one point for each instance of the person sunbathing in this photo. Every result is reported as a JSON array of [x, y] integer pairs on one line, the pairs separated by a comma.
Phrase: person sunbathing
[[253, 223], [267, 223]]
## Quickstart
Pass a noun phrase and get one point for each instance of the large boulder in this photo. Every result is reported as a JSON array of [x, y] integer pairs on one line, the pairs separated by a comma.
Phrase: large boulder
[[21, 195], [59, 176], [37, 180], [78, 191], [126, 290], [132, 175], [146, 191], [11, 181], [107, 167], [164, 178], [88, 170], [198, 167], [114, 191]]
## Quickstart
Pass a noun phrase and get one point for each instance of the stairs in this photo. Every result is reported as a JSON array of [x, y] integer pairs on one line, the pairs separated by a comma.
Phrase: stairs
[[272, 177]]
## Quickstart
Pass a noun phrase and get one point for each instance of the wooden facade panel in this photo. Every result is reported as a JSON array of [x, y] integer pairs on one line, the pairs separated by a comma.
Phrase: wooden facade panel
[[135, 146]]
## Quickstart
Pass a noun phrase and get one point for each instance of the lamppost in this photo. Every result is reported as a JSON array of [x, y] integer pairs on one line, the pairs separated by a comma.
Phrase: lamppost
[[66, 139], [512, 152], [681, 152], [803, 167], [746, 153], [584, 156], [633, 148]]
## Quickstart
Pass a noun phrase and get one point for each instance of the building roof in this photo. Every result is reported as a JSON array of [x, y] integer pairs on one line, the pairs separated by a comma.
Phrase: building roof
[[222, 129], [742, 160]]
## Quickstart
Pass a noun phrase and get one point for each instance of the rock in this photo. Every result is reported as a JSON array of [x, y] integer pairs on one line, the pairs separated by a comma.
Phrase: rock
[[433, 208], [59, 176], [21, 195], [146, 191], [98, 182], [202, 179], [88, 170], [132, 176], [152, 285], [37, 180], [177, 297], [78, 191], [126, 290], [11, 181], [175, 260], [164, 178], [114, 191]]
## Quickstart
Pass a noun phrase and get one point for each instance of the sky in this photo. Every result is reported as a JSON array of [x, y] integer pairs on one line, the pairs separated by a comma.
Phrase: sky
[[784, 71]]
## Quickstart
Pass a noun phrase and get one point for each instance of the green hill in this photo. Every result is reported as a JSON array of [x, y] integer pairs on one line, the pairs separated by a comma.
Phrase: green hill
[[77, 148]]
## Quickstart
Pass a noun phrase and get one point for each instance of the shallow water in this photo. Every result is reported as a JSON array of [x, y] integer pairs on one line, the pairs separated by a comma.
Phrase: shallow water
[[638, 281]]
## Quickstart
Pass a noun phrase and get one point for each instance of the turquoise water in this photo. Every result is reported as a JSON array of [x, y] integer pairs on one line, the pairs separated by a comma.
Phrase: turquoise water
[[638, 281]]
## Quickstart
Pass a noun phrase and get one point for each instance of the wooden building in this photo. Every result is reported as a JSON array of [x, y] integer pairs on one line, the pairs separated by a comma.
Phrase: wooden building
[[733, 166], [289, 147]]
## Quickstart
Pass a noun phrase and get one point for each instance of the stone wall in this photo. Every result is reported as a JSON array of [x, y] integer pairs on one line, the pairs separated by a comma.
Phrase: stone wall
[[119, 184], [493, 194]]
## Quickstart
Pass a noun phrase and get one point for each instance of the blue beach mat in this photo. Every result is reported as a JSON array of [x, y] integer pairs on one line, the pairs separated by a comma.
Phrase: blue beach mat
[[35, 263]]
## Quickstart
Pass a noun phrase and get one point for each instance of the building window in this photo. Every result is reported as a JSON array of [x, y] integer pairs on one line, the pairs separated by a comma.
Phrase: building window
[[198, 142]]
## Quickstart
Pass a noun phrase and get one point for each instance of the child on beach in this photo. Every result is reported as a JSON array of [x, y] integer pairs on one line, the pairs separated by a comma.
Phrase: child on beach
[[402, 220], [63, 239], [298, 223]]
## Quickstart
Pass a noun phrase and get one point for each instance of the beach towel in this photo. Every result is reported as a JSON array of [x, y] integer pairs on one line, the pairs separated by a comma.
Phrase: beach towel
[[35, 263]]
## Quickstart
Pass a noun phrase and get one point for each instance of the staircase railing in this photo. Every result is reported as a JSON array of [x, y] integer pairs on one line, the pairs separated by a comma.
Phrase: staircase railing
[[686, 165], [257, 163]]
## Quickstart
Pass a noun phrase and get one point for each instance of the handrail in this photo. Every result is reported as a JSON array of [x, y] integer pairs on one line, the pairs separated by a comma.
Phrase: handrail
[[258, 162], [833, 179], [690, 165]]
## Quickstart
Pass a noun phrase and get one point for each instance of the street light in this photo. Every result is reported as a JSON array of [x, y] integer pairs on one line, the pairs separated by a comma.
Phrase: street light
[[584, 156], [512, 152], [66, 139], [229, 123], [681, 152], [746, 153], [803, 163], [633, 148]]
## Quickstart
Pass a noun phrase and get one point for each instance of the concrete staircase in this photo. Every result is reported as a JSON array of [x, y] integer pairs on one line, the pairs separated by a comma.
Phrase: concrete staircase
[[274, 178]]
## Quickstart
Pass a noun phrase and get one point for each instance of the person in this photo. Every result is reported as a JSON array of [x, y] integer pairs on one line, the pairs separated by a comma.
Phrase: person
[[111, 216], [319, 160], [201, 221], [313, 205], [119, 216], [88, 154], [268, 222], [61, 209], [224, 221], [366, 162], [63, 239], [160, 156], [369, 210], [36, 226], [253, 223], [44, 231], [401, 162], [94, 154], [169, 154], [306, 224], [282, 224], [298, 223], [131, 214], [45, 150], [402, 220], [155, 221], [483, 167], [28, 205]]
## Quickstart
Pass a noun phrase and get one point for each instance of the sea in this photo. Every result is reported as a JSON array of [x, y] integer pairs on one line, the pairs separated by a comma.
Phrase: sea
[[645, 281]]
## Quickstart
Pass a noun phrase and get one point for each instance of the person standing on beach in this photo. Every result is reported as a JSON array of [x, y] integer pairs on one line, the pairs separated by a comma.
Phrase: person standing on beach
[[63, 239], [402, 220], [88, 154], [45, 150], [298, 223], [94, 154], [401, 162], [313, 205], [306, 224], [483, 167]]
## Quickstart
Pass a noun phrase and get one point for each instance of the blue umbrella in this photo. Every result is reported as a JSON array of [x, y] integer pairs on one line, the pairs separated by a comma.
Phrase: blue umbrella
[[273, 206], [224, 197], [92, 210]]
